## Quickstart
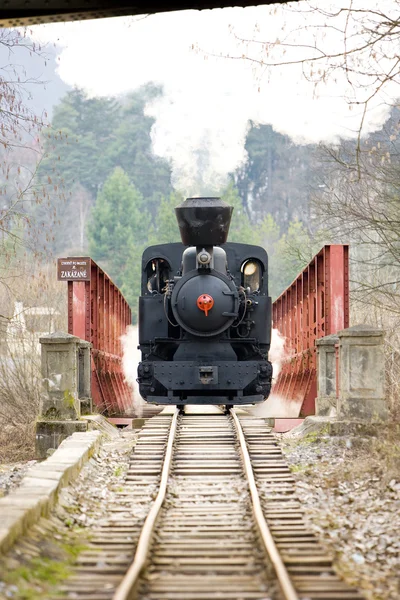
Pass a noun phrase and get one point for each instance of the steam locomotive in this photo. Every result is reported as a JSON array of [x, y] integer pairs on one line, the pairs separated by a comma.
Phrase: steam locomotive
[[204, 314]]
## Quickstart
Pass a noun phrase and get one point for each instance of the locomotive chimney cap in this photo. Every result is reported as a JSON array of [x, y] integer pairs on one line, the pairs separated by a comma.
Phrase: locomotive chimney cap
[[204, 221]]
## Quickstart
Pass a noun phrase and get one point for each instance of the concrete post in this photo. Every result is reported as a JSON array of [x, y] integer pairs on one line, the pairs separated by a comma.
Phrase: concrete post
[[60, 398], [326, 400], [85, 377], [362, 373], [60, 405]]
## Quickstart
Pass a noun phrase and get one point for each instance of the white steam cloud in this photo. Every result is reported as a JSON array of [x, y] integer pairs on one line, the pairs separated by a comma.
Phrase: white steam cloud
[[275, 406], [202, 121], [200, 140], [277, 353], [130, 360]]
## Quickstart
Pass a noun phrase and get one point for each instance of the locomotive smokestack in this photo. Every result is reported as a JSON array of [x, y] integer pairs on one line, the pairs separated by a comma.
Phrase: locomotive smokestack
[[204, 221]]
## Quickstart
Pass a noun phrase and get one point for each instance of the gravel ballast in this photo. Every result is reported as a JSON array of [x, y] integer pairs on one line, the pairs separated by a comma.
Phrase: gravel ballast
[[350, 490]]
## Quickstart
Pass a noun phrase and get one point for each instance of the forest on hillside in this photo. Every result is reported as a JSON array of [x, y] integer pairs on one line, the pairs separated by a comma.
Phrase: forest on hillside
[[117, 196]]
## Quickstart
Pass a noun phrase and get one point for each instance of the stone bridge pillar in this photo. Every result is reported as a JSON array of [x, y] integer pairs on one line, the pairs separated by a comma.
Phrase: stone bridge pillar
[[65, 379], [326, 400], [59, 399], [361, 374]]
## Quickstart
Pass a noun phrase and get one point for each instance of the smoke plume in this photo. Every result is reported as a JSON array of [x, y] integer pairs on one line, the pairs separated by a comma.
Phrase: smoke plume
[[212, 92], [278, 353], [130, 360], [275, 406]]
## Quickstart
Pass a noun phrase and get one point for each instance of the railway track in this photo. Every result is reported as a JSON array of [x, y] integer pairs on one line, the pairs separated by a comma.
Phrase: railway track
[[224, 521]]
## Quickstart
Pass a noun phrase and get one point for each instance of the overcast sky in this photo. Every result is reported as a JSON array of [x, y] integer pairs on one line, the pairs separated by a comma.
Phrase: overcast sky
[[209, 100]]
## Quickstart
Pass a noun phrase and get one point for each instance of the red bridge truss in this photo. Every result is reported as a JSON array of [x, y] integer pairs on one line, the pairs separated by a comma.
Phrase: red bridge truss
[[316, 304], [98, 313]]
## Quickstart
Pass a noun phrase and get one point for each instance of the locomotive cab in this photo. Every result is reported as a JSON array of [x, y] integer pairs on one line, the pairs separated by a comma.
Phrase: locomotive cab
[[204, 314]]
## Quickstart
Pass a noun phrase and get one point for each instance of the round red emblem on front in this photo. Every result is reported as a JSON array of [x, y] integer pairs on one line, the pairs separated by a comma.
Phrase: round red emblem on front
[[205, 302]]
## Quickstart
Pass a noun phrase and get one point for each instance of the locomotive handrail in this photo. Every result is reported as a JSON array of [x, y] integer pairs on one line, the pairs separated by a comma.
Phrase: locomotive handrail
[[126, 589], [281, 572]]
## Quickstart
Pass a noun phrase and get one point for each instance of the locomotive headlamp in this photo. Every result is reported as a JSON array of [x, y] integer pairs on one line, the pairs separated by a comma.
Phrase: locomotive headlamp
[[251, 275], [250, 268], [204, 257]]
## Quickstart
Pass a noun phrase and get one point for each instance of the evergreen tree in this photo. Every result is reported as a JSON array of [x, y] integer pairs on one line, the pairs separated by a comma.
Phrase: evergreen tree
[[119, 224], [132, 147], [91, 137], [83, 129]]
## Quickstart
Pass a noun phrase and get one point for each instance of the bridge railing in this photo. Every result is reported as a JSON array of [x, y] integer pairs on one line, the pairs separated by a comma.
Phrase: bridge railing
[[99, 314], [315, 305]]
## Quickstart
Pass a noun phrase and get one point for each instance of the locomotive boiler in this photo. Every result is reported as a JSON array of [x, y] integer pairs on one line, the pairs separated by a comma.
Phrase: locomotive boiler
[[204, 314]]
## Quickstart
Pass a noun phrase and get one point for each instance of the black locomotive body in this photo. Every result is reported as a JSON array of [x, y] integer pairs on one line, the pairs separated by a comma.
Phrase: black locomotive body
[[204, 314]]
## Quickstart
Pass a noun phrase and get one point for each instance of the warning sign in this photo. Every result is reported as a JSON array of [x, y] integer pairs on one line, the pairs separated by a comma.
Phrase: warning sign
[[73, 269]]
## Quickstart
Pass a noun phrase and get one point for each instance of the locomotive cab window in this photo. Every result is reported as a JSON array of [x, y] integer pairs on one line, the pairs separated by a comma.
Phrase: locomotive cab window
[[251, 275], [157, 271]]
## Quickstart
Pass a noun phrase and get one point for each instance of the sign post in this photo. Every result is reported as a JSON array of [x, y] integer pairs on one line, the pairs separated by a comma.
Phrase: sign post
[[76, 271]]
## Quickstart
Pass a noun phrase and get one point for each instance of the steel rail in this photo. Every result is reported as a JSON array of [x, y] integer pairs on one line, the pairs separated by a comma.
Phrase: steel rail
[[126, 588], [281, 572]]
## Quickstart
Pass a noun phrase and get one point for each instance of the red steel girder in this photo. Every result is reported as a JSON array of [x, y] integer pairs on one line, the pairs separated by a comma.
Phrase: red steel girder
[[98, 313], [316, 304]]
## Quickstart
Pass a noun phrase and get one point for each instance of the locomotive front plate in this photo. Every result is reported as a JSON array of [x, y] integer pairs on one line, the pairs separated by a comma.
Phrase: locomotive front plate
[[182, 375]]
